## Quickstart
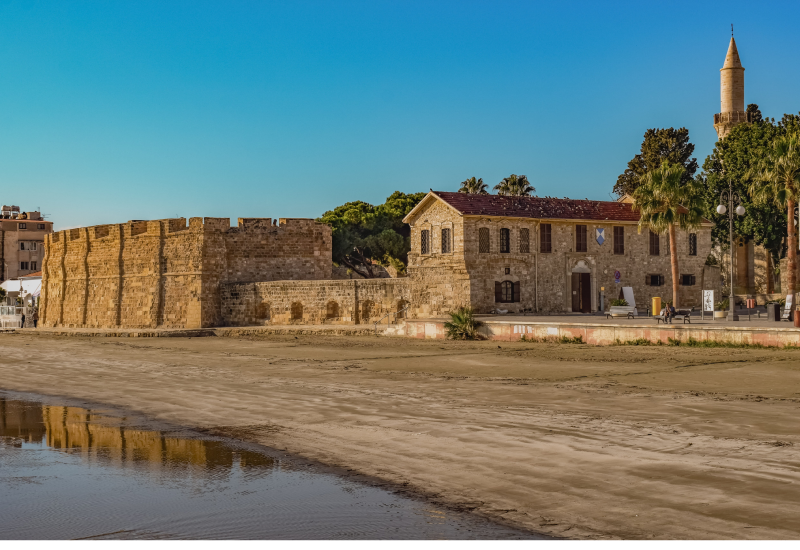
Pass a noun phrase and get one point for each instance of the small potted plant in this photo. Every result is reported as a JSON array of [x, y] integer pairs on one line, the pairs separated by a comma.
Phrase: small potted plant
[[721, 309]]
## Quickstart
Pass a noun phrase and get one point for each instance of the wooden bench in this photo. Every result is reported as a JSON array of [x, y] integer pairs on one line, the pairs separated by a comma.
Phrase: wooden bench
[[684, 314], [621, 311]]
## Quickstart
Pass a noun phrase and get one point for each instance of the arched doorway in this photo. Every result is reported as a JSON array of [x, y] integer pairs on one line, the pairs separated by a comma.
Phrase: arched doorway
[[581, 288]]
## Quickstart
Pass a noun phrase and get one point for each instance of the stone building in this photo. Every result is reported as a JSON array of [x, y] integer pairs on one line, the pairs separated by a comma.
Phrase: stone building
[[544, 255], [21, 242], [165, 273], [732, 108]]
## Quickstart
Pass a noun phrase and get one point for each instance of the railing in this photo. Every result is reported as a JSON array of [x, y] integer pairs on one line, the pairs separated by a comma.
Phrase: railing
[[388, 318]]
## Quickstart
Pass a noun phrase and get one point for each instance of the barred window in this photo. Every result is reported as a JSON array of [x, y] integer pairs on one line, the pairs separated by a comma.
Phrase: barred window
[[545, 238], [446, 241], [692, 244], [580, 238], [424, 239], [619, 240], [524, 240], [654, 244], [505, 240], [483, 240]]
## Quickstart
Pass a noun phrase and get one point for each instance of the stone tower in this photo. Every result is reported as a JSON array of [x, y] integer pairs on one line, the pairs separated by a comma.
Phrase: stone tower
[[732, 111]]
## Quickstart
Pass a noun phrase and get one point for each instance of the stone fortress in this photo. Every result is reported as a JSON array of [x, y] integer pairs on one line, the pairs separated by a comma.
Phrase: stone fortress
[[519, 254]]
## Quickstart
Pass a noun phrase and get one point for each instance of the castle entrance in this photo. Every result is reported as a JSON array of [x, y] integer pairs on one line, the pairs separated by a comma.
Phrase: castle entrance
[[581, 288]]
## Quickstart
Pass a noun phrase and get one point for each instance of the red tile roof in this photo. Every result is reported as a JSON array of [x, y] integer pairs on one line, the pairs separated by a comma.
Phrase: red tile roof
[[538, 207]]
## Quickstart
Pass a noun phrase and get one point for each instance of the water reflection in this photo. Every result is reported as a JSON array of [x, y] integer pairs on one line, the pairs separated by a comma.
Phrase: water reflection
[[70, 472], [75, 428]]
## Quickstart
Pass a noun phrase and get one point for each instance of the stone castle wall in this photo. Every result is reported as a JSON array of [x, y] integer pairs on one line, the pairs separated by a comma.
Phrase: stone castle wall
[[357, 301], [165, 273]]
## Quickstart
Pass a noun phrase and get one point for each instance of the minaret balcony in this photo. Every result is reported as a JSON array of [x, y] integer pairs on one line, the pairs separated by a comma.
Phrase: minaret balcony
[[733, 117]]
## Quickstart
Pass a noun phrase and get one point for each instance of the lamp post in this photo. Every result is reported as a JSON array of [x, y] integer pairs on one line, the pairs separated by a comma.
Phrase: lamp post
[[730, 197]]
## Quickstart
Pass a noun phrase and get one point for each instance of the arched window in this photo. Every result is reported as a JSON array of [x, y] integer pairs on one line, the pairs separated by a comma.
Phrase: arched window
[[297, 311], [263, 311], [401, 305], [332, 310], [506, 292], [367, 310]]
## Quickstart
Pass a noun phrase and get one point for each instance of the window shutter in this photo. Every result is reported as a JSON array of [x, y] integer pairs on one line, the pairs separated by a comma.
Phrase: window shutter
[[693, 280], [661, 280], [516, 291], [647, 280], [498, 292]]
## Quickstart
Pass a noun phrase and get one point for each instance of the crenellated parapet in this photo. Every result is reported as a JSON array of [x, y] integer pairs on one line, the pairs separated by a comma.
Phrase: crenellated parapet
[[166, 273]]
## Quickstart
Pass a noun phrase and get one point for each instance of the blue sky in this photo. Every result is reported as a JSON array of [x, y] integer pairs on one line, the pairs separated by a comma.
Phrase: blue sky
[[111, 111]]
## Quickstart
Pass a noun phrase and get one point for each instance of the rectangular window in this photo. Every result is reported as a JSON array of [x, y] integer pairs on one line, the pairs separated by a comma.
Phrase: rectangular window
[[654, 244], [483, 240], [424, 240], [446, 241], [654, 280], [40, 226], [545, 238], [33, 266], [505, 240], [692, 244], [23, 226], [32, 245], [580, 238], [524, 240], [23, 266], [687, 280], [619, 240], [21, 245]]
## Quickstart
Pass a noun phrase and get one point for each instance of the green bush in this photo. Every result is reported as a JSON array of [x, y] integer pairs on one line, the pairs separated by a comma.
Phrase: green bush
[[462, 324], [722, 305], [619, 302]]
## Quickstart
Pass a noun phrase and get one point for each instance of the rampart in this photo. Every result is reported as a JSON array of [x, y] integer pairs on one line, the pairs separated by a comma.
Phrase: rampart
[[165, 273], [314, 302]]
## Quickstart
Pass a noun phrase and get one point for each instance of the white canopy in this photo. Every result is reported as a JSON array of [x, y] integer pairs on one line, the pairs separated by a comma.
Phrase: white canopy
[[32, 286]]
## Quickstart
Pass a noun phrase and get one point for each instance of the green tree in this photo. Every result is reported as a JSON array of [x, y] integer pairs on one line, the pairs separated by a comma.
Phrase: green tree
[[660, 145], [665, 201], [473, 186], [366, 236], [730, 165], [516, 186], [776, 180]]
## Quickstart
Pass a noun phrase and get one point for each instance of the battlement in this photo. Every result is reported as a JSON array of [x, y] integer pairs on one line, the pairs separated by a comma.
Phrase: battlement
[[151, 273]]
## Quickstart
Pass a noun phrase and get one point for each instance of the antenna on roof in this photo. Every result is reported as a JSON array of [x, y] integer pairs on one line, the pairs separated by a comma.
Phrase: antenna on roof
[[731, 30]]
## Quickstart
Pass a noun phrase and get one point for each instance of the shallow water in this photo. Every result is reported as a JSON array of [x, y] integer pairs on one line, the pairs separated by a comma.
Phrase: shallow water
[[70, 472]]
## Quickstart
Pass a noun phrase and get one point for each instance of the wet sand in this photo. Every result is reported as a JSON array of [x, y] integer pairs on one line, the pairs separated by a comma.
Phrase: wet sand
[[569, 440]]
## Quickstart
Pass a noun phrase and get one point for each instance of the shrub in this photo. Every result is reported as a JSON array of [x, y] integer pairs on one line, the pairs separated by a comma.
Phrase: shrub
[[564, 339], [619, 302], [722, 305], [462, 324]]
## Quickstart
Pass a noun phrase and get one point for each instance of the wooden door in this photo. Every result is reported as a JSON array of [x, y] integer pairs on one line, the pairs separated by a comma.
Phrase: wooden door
[[576, 292], [586, 293]]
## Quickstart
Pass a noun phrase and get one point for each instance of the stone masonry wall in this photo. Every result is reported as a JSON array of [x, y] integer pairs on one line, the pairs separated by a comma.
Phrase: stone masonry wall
[[467, 276], [313, 302], [163, 273]]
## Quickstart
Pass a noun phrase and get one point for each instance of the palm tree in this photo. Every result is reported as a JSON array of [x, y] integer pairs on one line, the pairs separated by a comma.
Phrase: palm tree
[[776, 178], [663, 203], [516, 186], [473, 186]]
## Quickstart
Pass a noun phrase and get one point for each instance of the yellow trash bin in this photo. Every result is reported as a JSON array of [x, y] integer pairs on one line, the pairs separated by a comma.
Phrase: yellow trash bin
[[656, 306]]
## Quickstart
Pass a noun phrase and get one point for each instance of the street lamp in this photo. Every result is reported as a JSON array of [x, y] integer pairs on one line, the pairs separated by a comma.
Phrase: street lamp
[[730, 197]]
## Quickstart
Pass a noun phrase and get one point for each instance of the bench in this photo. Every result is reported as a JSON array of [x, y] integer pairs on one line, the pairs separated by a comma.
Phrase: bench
[[684, 314], [621, 311]]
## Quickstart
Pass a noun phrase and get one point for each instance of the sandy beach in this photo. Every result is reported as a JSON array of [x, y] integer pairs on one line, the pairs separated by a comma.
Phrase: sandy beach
[[569, 440]]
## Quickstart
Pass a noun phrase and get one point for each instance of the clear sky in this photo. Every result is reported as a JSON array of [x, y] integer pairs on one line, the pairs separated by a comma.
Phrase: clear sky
[[111, 111]]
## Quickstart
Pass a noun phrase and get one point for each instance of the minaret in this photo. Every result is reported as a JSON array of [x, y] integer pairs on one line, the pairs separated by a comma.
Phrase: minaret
[[731, 92]]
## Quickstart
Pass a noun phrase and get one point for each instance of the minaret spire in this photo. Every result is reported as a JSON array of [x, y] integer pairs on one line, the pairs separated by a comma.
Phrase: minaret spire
[[732, 111]]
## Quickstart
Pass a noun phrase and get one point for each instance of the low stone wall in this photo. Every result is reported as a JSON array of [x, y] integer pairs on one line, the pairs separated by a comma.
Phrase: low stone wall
[[609, 334], [312, 302]]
